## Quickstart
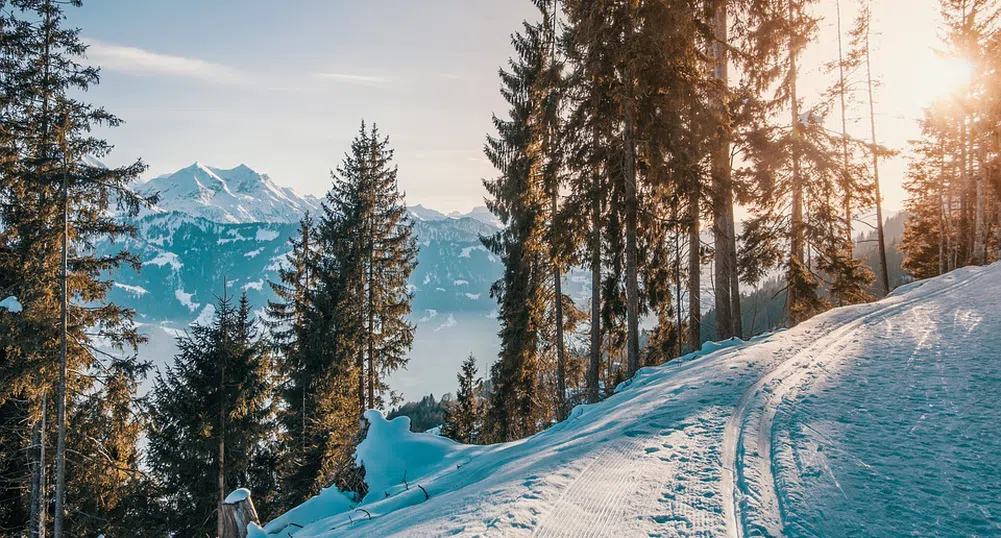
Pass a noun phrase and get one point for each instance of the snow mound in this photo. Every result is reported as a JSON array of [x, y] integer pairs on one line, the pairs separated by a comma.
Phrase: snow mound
[[397, 462], [11, 305], [395, 458]]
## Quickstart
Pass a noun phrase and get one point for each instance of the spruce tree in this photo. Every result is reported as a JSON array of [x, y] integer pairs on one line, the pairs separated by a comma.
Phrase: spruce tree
[[212, 419], [370, 237], [55, 206], [518, 199], [463, 416]]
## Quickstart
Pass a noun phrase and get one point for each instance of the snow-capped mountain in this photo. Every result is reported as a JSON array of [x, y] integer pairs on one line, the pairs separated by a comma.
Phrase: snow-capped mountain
[[421, 213], [479, 213], [238, 195]]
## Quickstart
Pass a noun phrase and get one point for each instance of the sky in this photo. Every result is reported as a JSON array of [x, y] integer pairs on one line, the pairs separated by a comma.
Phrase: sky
[[283, 86]]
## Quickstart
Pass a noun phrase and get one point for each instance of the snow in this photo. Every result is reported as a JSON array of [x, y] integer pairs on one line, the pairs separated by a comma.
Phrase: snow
[[266, 235], [449, 322], [236, 496], [236, 195], [204, 319], [135, 291], [185, 299], [11, 305], [870, 420], [468, 251], [166, 258], [258, 285]]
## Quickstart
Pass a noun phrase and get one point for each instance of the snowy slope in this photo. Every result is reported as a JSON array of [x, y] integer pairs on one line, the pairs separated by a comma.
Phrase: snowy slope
[[237, 195], [873, 420]]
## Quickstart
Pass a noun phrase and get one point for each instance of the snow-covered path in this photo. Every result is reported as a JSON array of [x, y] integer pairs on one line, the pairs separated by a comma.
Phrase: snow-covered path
[[874, 420]]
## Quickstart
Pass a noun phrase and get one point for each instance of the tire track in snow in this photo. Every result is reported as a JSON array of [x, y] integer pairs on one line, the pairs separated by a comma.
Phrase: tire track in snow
[[589, 506], [739, 478]]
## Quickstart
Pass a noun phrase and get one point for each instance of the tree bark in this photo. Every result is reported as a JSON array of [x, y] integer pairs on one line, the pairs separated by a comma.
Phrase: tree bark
[[724, 230], [236, 516], [979, 226], [694, 270], [846, 179], [221, 472], [796, 247], [632, 277], [595, 364], [57, 529], [37, 519], [884, 272]]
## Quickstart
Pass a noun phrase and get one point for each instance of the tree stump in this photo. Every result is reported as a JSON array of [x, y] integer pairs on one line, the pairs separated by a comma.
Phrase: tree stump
[[238, 512]]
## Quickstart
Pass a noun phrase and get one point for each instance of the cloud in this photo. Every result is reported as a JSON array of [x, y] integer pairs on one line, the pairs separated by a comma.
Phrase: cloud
[[138, 61], [349, 78]]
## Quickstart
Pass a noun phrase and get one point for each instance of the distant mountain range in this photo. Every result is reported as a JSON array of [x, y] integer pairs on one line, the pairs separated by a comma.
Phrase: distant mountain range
[[213, 226]]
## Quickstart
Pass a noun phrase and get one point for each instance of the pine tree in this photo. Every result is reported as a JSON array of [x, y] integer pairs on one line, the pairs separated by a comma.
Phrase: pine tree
[[463, 417], [518, 199], [290, 321], [55, 207], [212, 419], [107, 485], [800, 167], [366, 228], [955, 190]]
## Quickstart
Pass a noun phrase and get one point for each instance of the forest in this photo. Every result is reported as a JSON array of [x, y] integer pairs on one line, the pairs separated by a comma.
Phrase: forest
[[663, 146]]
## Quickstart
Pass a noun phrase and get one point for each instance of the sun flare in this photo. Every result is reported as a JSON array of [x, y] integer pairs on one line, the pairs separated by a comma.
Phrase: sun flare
[[943, 77]]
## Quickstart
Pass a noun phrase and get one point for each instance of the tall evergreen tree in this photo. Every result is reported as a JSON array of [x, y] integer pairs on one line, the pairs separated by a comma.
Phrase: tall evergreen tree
[[54, 206], [463, 416], [518, 198], [212, 420], [366, 228]]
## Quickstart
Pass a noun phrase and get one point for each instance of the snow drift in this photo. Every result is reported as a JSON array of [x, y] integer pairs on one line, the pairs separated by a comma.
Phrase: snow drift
[[876, 420]]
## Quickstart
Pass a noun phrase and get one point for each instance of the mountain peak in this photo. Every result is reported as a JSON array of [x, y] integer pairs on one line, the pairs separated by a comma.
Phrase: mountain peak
[[234, 195]]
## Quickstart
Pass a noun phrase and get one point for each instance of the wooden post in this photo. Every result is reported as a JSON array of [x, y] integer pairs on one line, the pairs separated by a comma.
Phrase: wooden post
[[237, 512]]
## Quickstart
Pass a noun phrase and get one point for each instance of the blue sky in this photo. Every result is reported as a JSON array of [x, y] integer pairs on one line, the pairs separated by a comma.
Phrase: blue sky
[[282, 86]]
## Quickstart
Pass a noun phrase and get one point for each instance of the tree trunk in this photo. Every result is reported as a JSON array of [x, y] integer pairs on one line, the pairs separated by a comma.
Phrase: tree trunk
[[884, 272], [57, 529], [724, 229], [561, 376], [370, 280], [677, 285], [965, 239], [846, 179], [37, 529], [237, 512], [221, 473], [796, 249], [595, 364], [979, 227], [632, 201], [694, 271]]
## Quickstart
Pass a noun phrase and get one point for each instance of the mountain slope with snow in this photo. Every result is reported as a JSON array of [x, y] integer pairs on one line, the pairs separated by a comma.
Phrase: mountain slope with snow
[[237, 195], [872, 420]]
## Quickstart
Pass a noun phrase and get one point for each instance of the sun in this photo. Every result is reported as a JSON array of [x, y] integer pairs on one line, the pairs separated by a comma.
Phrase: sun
[[942, 77]]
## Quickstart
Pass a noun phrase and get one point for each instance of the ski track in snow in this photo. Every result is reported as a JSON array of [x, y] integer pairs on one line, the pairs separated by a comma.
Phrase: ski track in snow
[[872, 420], [753, 506]]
